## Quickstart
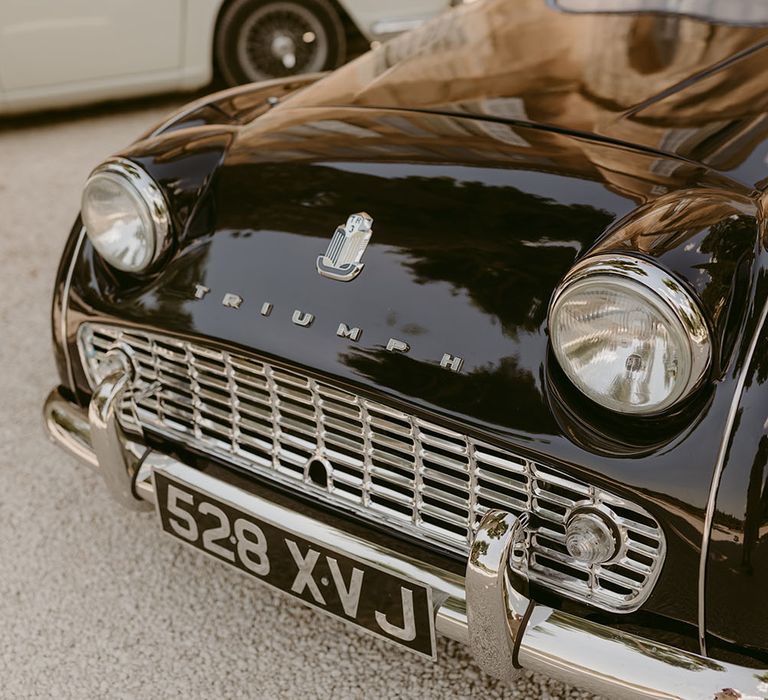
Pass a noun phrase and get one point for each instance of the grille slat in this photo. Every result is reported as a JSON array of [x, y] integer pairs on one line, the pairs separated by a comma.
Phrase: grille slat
[[403, 472]]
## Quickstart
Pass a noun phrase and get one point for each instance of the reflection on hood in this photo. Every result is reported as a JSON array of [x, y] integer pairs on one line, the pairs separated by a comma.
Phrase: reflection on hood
[[676, 84]]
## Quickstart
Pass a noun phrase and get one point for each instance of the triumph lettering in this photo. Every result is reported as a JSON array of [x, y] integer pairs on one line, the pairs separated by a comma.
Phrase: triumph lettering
[[232, 301], [395, 345], [302, 319], [344, 331], [453, 363]]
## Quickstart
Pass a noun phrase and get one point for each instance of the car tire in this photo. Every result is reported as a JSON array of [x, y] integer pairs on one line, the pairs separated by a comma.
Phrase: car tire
[[263, 39]]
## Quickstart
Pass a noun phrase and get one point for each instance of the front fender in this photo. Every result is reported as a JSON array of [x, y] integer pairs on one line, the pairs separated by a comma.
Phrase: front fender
[[736, 558]]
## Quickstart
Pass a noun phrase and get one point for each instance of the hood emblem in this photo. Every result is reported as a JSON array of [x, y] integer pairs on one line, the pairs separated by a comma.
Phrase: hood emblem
[[342, 259]]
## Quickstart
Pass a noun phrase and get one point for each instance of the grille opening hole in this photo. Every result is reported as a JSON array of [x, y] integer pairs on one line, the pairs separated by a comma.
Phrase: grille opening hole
[[167, 375], [544, 506], [378, 433], [616, 588], [389, 467], [488, 451], [256, 428], [397, 488], [261, 454], [450, 444], [347, 489], [640, 558], [452, 456], [506, 474], [403, 453], [491, 503], [340, 407], [441, 486], [390, 505], [627, 573], [498, 491], [249, 382], [253, 397], [643, 539], [345, 472], [401, 422], [318, 473], [548, 563], [176, 362], [253, 412], [444, 524], [284, 377], [544, 541], [460, 510], [180, 393], [544, 488], [297, 435], [634, 516], [350, 445]]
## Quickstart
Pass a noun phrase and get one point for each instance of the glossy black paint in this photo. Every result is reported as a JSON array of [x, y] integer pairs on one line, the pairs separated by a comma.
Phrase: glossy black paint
[[477, 217], [738, 556]]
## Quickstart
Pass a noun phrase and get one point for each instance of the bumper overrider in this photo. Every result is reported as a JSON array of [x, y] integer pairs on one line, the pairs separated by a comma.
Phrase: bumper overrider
[[489, 608]]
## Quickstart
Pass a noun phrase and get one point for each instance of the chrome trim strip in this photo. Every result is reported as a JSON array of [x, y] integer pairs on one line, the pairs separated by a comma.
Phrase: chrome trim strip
[[719, 466], [65, 307], [609, 662]]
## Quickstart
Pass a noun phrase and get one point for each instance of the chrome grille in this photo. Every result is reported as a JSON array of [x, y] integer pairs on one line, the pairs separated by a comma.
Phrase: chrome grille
[[385, 465]]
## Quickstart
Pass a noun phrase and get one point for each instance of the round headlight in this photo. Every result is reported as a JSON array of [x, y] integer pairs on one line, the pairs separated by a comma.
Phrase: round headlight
[[628, 335], [125, 215]]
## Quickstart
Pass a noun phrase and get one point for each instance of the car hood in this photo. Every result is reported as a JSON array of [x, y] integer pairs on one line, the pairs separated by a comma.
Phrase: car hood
[[681, 85], [474, 225]]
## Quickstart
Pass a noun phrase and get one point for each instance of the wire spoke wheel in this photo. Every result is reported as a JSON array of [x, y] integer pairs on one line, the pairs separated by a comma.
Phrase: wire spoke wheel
[[259, 39]]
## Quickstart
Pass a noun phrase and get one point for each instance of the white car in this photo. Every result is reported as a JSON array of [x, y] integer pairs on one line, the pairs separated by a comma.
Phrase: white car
[[57, 53]]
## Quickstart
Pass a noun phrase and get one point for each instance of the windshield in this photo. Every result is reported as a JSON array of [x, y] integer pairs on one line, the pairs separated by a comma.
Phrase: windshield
[[729, 11]]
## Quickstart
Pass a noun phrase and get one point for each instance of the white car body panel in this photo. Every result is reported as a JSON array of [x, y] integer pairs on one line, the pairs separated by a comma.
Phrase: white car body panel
[[377, 19], [61, 53]]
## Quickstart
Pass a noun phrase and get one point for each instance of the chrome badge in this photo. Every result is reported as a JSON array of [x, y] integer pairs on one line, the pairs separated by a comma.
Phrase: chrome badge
[[342, 259]]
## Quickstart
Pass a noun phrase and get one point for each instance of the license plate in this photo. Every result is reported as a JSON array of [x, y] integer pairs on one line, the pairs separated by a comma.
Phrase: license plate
[[389, 606]]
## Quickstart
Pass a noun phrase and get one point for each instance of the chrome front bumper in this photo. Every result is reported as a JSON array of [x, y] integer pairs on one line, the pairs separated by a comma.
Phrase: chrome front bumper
[[487, 609]]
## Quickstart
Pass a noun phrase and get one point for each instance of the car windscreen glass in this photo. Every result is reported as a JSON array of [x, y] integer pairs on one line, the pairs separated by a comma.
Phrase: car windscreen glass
[[729, 11]]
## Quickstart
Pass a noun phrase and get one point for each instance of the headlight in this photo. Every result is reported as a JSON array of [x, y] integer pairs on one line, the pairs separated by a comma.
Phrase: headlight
[[125, 215], [628, 335]]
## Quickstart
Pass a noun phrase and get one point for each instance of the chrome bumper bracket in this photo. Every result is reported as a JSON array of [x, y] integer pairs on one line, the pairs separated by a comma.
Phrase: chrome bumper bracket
[[107, 438], [496, 588]]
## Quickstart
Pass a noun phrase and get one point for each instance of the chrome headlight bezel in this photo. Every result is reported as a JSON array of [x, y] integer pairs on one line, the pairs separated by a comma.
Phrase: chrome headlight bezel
[[660, 289], [141, 186]]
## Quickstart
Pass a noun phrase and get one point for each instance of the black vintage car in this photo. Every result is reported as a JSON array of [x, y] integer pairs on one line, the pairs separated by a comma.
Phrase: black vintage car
[[467, 337]]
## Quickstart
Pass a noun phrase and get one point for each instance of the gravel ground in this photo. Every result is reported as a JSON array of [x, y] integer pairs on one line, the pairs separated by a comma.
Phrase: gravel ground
[[94, 601]]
